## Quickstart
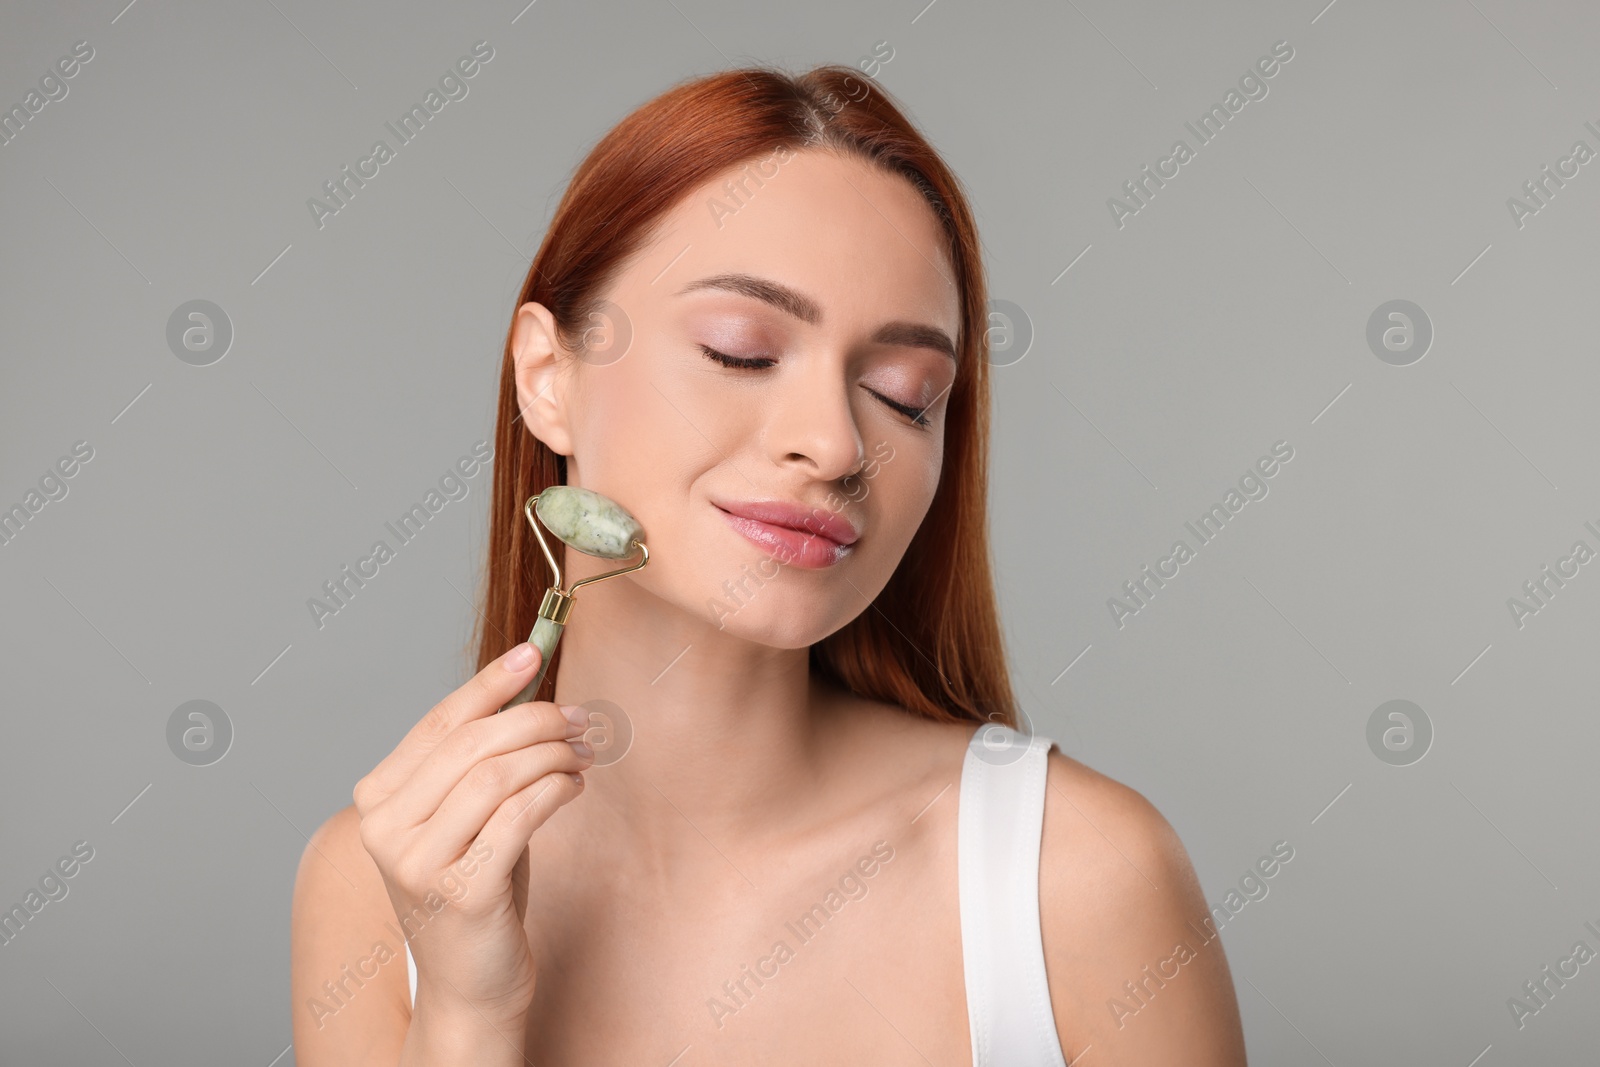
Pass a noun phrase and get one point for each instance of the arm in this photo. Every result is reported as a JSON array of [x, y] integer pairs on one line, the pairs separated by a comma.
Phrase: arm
[[1136, 971], [439, 833], [343, 932]]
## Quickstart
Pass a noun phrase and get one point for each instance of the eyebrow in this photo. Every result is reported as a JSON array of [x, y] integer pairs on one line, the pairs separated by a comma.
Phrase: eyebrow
[[802, 307]]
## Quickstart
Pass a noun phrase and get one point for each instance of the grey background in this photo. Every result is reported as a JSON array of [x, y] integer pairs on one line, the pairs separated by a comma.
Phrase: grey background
[[1228, 314]]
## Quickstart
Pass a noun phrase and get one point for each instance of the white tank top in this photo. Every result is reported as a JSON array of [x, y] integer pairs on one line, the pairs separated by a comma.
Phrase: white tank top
[[999, 821]]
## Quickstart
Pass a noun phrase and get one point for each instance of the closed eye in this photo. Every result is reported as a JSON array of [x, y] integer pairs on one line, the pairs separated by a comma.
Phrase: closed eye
[[918, 416], [737, 361]]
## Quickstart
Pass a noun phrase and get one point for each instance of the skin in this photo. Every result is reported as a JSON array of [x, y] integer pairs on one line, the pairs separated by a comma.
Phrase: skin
[[748, 788]]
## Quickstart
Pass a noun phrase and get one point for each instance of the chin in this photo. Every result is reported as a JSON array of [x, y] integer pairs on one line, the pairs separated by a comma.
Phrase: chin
[[775, 618]]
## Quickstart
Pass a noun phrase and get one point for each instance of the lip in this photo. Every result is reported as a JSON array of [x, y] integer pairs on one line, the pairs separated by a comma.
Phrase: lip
[[798, 535]]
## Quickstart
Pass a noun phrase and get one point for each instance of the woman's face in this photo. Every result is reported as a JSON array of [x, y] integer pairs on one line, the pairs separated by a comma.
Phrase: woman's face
[[832, 277]]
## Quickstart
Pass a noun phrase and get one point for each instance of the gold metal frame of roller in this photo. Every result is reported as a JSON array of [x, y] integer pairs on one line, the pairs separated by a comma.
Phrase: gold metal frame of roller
[[557, 605]]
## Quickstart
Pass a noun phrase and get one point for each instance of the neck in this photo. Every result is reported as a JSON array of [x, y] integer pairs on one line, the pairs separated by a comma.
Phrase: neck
[[725, 732]]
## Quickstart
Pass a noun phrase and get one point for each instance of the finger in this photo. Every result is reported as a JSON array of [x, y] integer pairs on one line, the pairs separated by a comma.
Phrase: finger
[[488, 785], [515, 821], [481, 695], [470, 746]]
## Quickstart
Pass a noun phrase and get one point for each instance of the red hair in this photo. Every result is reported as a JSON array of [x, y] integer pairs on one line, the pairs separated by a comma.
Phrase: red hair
[[931, 642]]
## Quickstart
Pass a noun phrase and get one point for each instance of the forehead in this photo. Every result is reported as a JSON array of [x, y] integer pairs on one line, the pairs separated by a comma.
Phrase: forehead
[[862, 243]]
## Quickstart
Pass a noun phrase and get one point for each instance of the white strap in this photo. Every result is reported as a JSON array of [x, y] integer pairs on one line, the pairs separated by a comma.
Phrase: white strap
[[1000, 818], [411, 969]]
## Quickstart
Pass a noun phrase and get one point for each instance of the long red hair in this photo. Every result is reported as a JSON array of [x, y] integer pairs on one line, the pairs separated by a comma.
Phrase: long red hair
[[931, 642]]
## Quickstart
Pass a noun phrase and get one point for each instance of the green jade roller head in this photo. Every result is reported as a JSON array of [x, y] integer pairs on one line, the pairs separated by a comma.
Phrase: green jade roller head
[[594, 525]]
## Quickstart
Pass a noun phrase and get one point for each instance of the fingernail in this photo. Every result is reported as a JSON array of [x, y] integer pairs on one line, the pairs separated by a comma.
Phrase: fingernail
[[575, 714], [582, 748], [519, 658]]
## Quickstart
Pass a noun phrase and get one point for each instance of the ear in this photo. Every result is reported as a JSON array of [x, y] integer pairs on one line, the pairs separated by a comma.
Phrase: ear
[[541, 368]]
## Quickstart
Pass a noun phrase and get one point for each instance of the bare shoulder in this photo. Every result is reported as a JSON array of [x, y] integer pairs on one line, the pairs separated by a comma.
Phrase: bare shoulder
[[350, 990], [1135, 971]]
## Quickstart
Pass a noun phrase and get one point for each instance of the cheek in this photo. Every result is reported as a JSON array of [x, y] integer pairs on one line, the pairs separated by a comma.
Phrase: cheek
[[636, 430], [648, 438], [898, 496], [916, 470]]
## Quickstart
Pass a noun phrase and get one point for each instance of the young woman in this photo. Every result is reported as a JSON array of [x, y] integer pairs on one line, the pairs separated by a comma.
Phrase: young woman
[[758, 322]]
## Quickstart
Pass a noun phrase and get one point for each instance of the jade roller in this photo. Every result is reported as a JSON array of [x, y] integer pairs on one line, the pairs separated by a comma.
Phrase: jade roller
[[594, 525]]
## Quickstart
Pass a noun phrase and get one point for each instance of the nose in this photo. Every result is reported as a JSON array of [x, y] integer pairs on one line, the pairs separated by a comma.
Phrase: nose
[[812, 424]]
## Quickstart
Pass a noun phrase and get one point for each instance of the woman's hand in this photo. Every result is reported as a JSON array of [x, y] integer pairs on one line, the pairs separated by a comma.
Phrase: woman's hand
[[447, 817]]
